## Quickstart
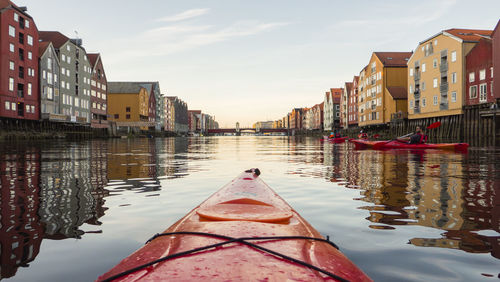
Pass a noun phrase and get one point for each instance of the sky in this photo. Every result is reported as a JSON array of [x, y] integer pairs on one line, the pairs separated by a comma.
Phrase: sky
[[251, 60]]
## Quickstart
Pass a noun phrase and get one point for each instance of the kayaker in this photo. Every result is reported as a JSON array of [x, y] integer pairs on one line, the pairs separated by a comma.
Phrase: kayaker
[[335, 134], [362, 135], [417, 138]]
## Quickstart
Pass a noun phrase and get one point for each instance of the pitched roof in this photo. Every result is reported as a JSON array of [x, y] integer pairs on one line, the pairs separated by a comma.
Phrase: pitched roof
[[356, 78], [336, 100], [58, 39], [42, 46], [92, 58], [348, 87], [469, 35], [6, 4], [497, 27], [328, 95], [123, 87], [394, 59], [398, 92]]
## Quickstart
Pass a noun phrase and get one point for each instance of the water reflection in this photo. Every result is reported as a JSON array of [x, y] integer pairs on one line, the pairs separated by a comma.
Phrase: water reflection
[[58, 190], [453, 192]]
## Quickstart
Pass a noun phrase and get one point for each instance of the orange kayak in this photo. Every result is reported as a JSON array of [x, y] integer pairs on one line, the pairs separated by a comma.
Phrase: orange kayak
[[244, 231]]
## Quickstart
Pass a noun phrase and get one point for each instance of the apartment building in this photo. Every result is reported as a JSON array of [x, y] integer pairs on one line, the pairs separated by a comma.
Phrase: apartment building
[[19, 93], [128, 102], [496, 60], [49, 71], [384, 86], [75, 76], [479, 73], [344, 100], [437, 73], [328, 109], [352, 104], [98, 92]]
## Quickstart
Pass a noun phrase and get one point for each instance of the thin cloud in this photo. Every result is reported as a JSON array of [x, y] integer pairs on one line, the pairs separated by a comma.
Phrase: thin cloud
[[185, 15]]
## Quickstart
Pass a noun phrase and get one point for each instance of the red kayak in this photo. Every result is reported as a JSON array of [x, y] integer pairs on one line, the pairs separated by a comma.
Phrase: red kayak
[[395, 144], [364, 143], [336, 139], [244, 232]]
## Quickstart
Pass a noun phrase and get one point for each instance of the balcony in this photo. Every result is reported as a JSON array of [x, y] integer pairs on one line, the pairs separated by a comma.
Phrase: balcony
[[443, 106], [417, 76], [20, 93], [399, 116], [443, 67], [443, 87]]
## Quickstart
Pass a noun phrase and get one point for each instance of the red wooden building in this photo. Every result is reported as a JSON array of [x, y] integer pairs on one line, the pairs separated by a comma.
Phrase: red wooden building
[[19, 96], [99, 92], [496, 61], [479, 73], [352, 103]]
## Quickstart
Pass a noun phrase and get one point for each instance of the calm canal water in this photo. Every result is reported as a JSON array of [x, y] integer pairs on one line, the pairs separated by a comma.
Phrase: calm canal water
[[72, 210]]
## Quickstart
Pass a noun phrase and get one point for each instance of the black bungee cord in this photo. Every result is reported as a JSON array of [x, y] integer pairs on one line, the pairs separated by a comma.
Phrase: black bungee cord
[[229, 240]]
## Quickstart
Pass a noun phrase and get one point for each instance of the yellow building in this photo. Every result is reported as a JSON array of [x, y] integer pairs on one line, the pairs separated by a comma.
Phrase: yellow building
[[382, 87], [436, 73], [128, 102]]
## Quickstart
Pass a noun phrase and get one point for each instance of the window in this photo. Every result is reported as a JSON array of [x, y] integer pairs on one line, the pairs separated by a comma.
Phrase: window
[[68, 59], [30, 40], [68, 48], [63, 58], [482, 92], [63, 84], [127, 109], [411, 89], [491, 71], [424, 102], [454, 77], [13, 106], [435, 63], [482, 74], [27, 108], [11, 47], [67, 72], [12, 31], [7, 105], [50, 93], [49, 78], [32, 109], [411, 71], [21, 54], [11, 84], [435, 100], [454, 56], [128, 116], [435, 83], [423, 85], [473, 92], [453, 96], [423, 67], [21, 38], [55, 78], [29, 89], [67, 85], [435, 42], [27, 24], [471, 77], [12, 65], [117, 116], [411, 104], [77, 102], [16, 17]]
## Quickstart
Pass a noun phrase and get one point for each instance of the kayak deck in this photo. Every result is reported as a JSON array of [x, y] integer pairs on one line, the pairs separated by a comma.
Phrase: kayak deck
[[395, 144], [246, 207]]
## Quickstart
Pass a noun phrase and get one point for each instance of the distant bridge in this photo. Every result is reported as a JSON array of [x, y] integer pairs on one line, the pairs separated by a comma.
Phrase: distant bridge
[[233, 130]]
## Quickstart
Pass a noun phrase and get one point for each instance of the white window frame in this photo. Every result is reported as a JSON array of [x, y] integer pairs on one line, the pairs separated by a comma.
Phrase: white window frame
[[483, 96], [7, 105], [475, 92], [411, 71], [11, 84], [482, 74], [12, 65], [423, 102], [454, 56], [30, 40], [16, 17], [32, 109], [454, 77], [423, 67], [434, 63], [472, 76], [435, 100], [453, 96], [30, 88], [435, 82], [30, 55], [12, 31], [12, 48]]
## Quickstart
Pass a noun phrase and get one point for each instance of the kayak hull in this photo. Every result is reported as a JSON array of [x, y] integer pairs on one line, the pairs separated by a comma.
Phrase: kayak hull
[[365, 144], [335, 140], [219, 215], [401, 145]]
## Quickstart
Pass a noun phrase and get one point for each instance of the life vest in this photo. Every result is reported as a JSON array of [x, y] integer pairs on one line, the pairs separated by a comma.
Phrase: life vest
[[363, 136], [418, 138], [424, 139], [338, 135]]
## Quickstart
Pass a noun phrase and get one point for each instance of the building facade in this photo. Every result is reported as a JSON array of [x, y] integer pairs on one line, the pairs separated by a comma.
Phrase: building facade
[[436, 73], [344, 101], [169, 114], [75, 74], [128, 102], [479, 74], [49, 71], [181, 115], [385, 70], [352, 103], [19, 93], [496, 60], [336, 96], [98, 92]]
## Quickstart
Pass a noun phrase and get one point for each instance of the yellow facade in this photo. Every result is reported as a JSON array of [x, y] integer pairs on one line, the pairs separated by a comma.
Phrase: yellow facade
[[436, 77], [129, 107], [376, 103]]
